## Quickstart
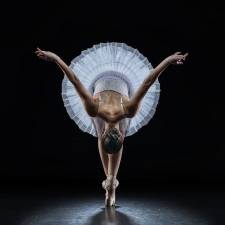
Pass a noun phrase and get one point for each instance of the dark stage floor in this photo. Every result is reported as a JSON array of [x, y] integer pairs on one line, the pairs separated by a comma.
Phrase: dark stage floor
[[81, 204]]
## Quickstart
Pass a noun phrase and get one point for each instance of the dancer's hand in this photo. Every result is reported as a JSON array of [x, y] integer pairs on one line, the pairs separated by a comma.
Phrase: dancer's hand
[[177, 58], [46, 55]]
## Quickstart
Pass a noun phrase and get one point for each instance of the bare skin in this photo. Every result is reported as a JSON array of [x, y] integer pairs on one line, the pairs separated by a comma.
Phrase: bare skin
[[109, 107], [107, 111]]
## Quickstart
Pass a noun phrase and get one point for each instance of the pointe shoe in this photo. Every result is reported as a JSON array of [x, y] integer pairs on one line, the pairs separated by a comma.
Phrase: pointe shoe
[[107, 184], [109, 201], [110, 184]]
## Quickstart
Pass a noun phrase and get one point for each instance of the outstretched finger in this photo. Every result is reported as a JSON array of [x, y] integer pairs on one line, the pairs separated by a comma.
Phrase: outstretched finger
[[185, 55], [177, 53], [39, 50]]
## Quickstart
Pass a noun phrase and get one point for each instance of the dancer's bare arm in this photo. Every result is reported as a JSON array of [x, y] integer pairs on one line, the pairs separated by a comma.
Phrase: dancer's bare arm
[[90, 104], [134, 103]]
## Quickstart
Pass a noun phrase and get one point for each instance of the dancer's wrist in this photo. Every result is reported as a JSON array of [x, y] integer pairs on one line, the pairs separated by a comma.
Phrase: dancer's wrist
[[167, 61], [56, 59]]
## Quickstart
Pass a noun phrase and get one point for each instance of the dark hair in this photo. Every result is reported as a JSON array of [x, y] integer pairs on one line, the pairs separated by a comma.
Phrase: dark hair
[[112, 140]]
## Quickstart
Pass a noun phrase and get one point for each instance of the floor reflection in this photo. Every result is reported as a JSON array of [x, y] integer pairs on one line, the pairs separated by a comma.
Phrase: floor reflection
[[131, 211], [111, 216], [84, 207]]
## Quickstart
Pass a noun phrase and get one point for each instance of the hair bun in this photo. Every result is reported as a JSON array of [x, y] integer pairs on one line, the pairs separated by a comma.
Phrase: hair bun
[[112, 140]]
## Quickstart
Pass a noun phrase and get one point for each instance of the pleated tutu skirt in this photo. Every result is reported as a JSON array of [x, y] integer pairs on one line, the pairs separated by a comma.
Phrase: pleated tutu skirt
[[121, 59]]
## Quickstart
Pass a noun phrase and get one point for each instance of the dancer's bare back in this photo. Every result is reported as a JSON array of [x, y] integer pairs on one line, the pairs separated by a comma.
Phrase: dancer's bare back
[[112, 106], [111, 109]]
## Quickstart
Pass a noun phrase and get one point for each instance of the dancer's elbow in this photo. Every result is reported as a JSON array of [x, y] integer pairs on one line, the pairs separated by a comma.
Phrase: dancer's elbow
[[132, 110]]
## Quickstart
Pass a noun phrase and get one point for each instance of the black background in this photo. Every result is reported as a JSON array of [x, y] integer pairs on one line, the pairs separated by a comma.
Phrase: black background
[[184, 142]]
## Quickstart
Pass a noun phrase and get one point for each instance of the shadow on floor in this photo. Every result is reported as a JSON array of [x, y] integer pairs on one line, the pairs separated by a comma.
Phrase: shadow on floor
[[110, 215]]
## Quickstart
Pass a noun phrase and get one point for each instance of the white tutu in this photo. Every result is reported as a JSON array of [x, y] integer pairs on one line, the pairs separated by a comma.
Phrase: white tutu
[[126, 61]]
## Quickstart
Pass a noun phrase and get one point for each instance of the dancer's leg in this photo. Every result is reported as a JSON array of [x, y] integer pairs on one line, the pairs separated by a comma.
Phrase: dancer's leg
[[114, 162], [113, 167], [110, 162], [104, 158]]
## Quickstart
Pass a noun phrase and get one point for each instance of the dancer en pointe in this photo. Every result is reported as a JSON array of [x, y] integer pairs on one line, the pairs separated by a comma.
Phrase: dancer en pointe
[[111, 90]]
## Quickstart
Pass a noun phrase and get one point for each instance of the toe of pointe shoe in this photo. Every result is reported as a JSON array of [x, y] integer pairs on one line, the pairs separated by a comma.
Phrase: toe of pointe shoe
[[109, 202]]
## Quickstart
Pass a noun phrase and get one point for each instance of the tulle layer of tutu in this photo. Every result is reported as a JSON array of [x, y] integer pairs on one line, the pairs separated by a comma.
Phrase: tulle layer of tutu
[[101, 58]]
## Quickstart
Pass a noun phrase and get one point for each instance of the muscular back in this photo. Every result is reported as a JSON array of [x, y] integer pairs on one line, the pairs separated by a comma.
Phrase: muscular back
[[111, 110], [111, 106]]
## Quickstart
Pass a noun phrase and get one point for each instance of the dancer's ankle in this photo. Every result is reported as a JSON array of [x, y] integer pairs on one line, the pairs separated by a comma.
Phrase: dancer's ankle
[[111, 176]]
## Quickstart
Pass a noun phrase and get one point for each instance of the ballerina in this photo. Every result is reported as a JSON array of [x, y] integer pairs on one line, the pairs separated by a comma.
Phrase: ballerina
[[111, 90]]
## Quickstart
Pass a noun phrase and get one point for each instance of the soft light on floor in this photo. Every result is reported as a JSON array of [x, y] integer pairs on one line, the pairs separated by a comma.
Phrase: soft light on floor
[[129, 211]]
